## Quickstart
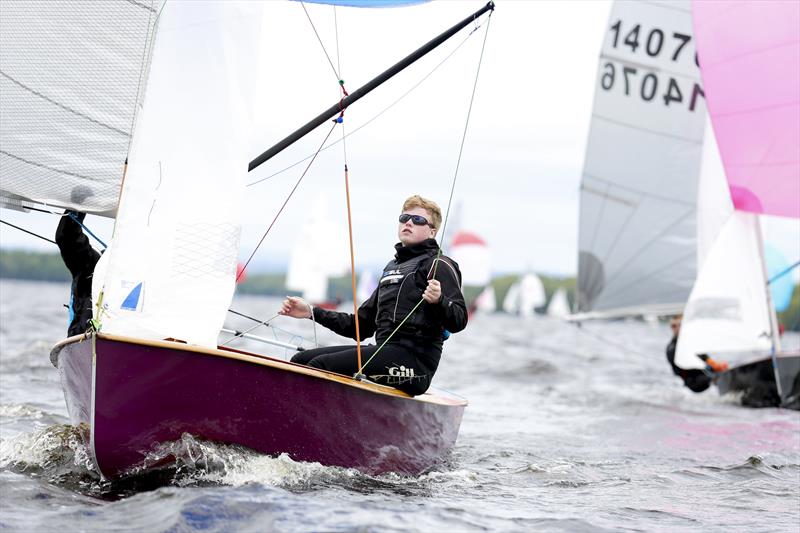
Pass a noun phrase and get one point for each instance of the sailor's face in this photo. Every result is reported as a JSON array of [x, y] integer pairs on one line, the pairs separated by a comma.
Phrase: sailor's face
[[411, 233]]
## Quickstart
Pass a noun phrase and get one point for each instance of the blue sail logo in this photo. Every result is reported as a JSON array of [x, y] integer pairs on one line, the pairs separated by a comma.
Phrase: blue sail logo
[[131, 302]]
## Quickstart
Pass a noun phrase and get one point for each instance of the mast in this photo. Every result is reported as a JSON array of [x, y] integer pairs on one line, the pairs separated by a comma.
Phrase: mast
[[365, 89], [773, 317]]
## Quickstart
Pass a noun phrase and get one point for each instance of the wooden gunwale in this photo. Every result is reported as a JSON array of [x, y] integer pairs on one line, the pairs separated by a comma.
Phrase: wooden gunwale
[[262, 360]]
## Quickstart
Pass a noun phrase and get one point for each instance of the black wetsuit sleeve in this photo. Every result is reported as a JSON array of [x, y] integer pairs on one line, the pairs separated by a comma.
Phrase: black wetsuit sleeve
[[344, 324], [671, 356], [75, 248], [451, 311]]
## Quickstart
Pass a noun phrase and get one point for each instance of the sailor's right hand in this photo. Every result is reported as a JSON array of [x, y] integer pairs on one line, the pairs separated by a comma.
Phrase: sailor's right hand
[[295, 308]]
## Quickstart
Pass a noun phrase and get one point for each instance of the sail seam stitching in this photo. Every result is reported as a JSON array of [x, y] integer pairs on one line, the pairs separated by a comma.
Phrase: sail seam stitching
[[62, 106]]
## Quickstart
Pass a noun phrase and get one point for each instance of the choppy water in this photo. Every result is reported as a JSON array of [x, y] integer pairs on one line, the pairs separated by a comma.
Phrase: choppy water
[[567, 430]]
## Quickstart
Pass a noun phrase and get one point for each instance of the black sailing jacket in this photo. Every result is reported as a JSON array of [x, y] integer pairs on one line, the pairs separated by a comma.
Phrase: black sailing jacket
[[402, 283]]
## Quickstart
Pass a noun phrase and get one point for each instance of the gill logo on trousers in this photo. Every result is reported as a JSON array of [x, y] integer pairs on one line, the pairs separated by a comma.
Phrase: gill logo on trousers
[[401, 372]]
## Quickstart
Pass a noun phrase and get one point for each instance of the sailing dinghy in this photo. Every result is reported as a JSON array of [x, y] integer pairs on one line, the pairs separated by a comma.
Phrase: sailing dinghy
[[154, 371], [750, 62], [654, 190]]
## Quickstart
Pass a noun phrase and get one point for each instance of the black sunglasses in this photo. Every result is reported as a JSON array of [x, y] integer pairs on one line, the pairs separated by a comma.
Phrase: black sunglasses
[[418, 220]]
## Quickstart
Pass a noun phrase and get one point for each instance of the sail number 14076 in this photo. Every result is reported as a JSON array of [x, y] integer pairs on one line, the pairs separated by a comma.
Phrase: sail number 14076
[[647, 85]]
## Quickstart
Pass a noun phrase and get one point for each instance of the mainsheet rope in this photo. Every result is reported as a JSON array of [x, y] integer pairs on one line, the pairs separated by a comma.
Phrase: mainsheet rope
[[449, 201]]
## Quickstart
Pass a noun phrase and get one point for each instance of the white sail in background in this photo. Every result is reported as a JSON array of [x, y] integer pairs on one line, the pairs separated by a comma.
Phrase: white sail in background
[[473, 257], [559, 304], [172, 262], [637, 244], [367, 283], [486, 302], [727, 310], [71, 77], [525, 296], [320, 252], [714, 205]]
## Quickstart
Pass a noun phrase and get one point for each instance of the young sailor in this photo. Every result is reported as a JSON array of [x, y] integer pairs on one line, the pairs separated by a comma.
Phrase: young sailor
[[696, 380], [80, 259], [410, 358]]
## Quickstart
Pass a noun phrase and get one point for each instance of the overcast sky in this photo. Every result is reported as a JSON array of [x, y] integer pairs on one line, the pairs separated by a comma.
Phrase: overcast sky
[[520, 172]]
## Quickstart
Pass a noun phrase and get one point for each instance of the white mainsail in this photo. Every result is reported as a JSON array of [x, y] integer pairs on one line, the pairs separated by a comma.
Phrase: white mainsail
[[71, 77], [637, 244], [172, 262], [728, 308]]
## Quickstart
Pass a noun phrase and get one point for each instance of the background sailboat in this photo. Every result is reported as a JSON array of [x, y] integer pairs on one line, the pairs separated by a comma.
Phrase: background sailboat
[[525, 295], [558, 307], [474, 258], [637, 238], [750, 59], [317, 255]]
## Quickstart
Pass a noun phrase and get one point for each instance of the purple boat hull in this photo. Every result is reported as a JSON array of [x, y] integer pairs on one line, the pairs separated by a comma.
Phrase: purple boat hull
[[134, 394]]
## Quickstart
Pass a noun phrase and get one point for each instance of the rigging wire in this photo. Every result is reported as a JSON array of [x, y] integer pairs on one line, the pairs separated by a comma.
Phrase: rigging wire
[[241, 273], [782, 273], [242, 333], [449, 202], [335, 73], [347, 197], [28, 232], [378, 115], [70, 215]]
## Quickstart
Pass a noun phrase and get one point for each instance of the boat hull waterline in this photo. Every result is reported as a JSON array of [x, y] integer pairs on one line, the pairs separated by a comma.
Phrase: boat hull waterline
[[134, 394], [756, 380]]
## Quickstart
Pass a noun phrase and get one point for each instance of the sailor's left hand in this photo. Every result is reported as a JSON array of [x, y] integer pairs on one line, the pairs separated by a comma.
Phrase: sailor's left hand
[[433, 293]]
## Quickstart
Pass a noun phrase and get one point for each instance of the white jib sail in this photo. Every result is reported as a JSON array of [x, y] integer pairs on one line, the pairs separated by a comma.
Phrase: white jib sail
[[559, 304], [172, 263], [727, 310], [637, 220]]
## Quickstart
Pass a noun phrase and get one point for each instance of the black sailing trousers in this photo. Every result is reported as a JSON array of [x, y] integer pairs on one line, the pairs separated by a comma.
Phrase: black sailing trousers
[[393, 366]]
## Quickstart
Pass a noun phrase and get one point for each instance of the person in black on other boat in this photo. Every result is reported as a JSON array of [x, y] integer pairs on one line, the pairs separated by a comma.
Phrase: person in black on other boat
[[697, 380], [409, 360], [80, 259]]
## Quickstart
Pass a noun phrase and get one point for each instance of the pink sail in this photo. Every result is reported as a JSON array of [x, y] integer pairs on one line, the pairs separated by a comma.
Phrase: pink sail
[[750, 62]]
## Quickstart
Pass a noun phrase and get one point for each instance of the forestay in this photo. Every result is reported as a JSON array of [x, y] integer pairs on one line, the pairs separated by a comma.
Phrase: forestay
[[637, 244], [172, 262], [70, 78]]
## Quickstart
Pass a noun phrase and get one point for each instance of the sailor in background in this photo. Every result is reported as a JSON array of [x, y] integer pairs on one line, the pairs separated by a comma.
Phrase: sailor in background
[[697, 380], [410, 358]]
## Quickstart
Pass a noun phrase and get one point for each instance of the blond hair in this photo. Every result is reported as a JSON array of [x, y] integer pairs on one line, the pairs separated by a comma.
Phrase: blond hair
[[429, 205]]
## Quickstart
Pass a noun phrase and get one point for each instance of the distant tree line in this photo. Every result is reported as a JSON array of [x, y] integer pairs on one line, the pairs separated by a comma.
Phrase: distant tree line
[[40, 266]]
